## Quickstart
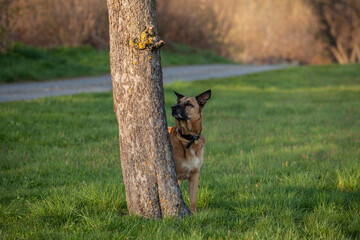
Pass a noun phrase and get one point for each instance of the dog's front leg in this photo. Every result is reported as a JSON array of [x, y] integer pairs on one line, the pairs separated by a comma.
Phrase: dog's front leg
[[193, 186]]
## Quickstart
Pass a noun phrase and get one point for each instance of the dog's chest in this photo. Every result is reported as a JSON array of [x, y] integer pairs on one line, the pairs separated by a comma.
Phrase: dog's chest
[[191, 164]]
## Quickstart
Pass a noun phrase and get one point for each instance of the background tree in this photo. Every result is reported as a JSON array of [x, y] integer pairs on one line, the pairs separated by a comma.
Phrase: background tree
[[5, 15], [147, 160], [341, 27]]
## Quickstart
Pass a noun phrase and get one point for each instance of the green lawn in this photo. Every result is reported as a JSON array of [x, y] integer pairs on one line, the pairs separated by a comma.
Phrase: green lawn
[[281, 162], [26, 63]]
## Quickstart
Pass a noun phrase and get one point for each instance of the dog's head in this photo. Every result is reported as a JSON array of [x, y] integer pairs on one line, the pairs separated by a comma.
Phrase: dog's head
[[189, 107]]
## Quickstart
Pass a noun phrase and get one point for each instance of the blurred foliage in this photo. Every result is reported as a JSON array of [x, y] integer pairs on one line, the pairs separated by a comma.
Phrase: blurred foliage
[[340, 21], [256, 31], [6, 14], [28, 63]]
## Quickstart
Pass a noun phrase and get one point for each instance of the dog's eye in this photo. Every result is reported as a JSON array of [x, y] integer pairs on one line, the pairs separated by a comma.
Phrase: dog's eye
[[188, 103]]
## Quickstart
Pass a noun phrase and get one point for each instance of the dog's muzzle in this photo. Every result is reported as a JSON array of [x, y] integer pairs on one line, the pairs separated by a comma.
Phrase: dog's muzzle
[[178, 112]]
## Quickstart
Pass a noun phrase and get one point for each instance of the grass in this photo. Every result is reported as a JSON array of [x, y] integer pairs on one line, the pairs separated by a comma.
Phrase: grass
[[175, 54], [27, 63], [281, 162]]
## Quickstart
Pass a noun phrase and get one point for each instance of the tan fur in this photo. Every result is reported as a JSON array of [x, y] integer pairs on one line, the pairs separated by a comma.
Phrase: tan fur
[[188, 161]]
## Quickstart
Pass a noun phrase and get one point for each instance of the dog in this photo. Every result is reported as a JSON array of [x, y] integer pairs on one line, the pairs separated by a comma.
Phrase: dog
[[187, 141]]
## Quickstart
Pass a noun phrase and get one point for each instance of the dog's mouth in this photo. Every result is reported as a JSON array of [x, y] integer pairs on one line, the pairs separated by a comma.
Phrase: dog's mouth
[[178, 114]]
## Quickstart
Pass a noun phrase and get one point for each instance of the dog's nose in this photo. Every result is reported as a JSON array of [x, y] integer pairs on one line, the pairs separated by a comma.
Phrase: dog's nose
[[173, 108]]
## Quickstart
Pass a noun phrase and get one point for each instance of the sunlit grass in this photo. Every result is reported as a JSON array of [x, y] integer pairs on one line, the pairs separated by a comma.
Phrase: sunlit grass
[[26, 63], [281, 162]]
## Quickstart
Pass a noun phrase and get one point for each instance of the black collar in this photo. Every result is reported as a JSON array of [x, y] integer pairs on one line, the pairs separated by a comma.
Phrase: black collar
[[190, 138]]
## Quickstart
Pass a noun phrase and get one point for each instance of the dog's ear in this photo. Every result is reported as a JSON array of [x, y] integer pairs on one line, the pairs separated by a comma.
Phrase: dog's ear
[[179, 96], [203, 98]]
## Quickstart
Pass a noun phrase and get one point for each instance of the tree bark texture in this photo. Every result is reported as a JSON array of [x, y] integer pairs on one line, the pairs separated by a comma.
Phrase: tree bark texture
[[147, 160]]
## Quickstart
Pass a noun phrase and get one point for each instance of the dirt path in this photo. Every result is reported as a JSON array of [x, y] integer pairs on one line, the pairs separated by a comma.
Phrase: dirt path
[[27, 91]]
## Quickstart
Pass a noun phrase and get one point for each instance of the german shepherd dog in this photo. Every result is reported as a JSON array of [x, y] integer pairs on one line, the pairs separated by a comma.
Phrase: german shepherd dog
[[187, 140]]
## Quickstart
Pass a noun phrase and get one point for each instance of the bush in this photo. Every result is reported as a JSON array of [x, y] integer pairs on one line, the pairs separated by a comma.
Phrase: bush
[[341, 27], [256, 31]]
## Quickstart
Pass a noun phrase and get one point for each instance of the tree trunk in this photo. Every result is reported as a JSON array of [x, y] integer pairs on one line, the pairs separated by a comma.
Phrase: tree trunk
[[147, 160]]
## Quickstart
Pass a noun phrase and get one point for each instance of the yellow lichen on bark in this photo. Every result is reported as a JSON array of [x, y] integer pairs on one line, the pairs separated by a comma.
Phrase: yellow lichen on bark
[[117, 3], [147, 40]]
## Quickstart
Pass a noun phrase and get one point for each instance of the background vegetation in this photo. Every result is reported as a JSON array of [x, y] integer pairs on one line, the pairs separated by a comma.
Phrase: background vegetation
[[27, 63], [281, 162], [256, 31]]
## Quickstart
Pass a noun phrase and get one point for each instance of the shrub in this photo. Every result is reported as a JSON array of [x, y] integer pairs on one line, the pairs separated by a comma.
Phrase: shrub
[[256, 31]]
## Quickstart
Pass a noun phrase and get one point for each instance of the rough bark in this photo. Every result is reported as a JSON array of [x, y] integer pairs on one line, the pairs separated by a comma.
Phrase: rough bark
[[147, 161]]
